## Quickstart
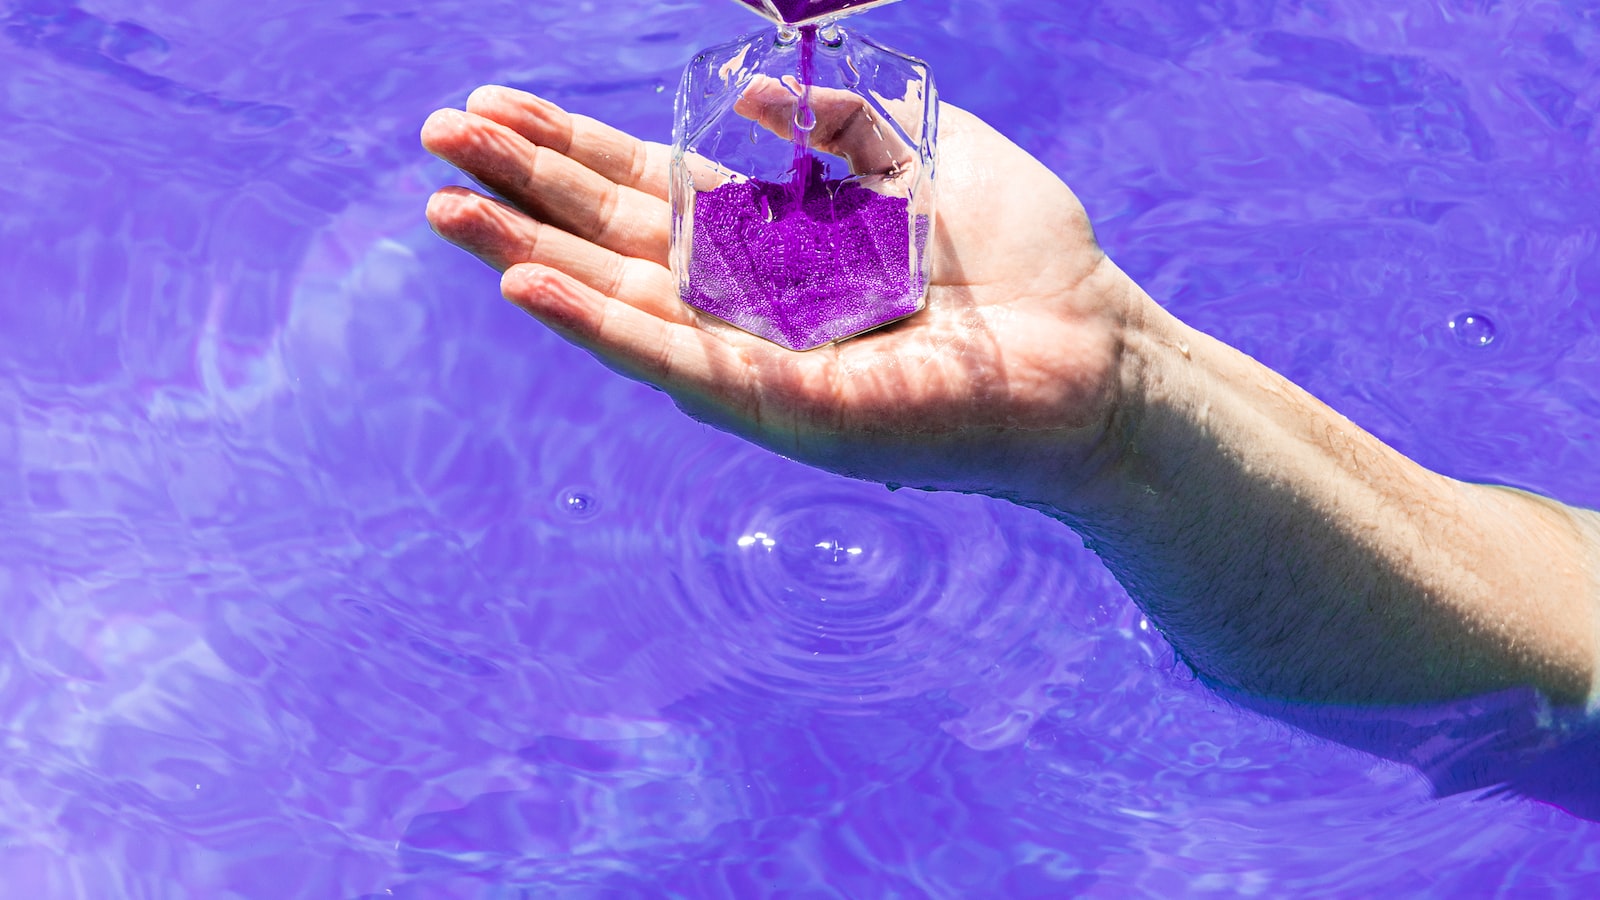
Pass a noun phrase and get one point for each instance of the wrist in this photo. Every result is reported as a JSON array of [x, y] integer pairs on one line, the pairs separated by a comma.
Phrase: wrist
[[1151, 350]]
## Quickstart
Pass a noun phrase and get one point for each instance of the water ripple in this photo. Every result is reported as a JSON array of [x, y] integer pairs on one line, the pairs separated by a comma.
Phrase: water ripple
[[844, 592]]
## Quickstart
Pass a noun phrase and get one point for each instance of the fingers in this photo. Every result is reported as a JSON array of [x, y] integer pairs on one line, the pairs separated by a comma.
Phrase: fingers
[[504, 237], [846, 125], [611, 153], [681, 359], [551, 186]]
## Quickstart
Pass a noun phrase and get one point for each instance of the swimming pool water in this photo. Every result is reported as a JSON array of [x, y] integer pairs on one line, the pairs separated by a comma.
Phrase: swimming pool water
[[326, 573]]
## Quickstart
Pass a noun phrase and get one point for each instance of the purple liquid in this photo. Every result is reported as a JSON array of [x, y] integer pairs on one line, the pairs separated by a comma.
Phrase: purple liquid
[[804, 263]]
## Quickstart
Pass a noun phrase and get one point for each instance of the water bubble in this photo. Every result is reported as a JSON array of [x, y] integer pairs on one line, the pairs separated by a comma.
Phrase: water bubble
[[1473, 329], [578, 504], [804, 118]]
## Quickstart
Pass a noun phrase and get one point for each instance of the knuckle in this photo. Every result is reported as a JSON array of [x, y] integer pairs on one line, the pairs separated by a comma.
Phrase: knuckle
[[616, 277]]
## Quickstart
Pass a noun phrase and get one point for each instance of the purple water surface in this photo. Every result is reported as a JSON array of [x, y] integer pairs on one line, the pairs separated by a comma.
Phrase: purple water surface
[[326, 573]]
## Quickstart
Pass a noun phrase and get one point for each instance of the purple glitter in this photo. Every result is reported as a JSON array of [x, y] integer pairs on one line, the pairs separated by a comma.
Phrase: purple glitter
[[802, 270]]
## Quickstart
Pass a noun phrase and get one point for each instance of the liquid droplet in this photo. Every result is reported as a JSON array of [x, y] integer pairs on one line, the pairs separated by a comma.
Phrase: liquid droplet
[[848, 73], [805, 119], [1473, 329]]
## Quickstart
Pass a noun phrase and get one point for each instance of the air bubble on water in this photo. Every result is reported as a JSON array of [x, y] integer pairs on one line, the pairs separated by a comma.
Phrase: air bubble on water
[[578, 504], [805, 119], [1473, 329]]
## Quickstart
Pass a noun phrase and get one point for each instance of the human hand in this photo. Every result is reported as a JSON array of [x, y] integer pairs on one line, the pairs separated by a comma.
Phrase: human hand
[[1006, 384], [1284, 552]]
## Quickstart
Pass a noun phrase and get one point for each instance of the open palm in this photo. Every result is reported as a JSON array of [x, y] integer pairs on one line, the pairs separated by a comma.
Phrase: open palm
[[1014, 363]]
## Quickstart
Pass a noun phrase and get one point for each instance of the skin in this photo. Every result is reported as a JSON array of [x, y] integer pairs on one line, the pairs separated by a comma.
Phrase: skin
[[1283, 551]]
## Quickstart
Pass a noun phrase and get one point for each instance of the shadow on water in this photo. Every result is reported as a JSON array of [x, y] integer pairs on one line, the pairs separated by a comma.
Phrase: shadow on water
[[736, 791], [1511, 744]]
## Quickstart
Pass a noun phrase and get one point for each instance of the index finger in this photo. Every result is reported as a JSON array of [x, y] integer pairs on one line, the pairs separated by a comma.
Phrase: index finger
[[609, 151]]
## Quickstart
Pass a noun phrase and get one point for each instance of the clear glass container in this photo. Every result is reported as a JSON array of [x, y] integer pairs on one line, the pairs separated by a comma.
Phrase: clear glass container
[[802, 179]]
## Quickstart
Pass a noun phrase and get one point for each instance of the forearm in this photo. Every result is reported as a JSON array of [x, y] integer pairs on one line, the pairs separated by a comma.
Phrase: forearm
[[1286, 552]]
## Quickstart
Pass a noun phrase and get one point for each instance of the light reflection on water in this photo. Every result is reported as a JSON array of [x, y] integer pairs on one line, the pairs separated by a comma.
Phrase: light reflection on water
[[326, 573]]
